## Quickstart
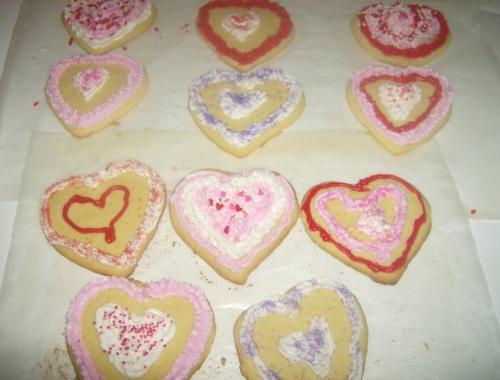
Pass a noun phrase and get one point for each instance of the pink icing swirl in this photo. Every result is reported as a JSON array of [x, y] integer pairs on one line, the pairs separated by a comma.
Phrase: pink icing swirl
[[193, 350], [70, 116]]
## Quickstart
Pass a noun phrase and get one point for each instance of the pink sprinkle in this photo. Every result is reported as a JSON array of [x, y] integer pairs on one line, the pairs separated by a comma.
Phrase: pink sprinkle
[[35, 104]]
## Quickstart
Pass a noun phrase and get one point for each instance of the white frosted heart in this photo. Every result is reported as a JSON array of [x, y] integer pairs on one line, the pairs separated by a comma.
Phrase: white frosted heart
[[314, 348], [241, 25], [238, 105], [90, 81], [133, 342], [399, 99]]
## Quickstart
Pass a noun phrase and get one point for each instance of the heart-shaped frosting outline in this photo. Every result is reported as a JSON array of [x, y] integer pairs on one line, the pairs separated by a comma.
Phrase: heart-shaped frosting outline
[[228, 267], [420, 51], [288, 304], [72, 118], [231, 137], [199, 340], [249, 57], [363, 186], [412, 132], [156, 203]]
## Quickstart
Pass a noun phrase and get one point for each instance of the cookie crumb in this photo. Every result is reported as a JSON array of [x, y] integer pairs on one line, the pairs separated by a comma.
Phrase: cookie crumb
[[223, 361], [124, 48], [156, 29], [473, 211]]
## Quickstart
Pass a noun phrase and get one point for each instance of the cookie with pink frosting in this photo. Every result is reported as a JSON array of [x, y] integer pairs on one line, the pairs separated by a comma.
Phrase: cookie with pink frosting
[[375, 226], [233, 220], [401, 107], [87, 93], [401, 34], [117, 329], [99, 26], [316, 330]]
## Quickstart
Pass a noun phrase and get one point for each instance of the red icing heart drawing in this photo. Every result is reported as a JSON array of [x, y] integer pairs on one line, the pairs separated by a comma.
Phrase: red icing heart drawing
[[375, 226], [402, 108], [245, 33], [401, 34], [109, 230], [103, 221]]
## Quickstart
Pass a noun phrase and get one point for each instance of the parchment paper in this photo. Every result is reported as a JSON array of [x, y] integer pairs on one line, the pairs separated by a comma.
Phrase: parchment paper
[[436, 323], [322, 55]]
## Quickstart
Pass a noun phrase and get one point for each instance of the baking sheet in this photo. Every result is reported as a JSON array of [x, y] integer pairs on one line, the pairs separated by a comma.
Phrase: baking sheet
[[322, 55], [436, 323]]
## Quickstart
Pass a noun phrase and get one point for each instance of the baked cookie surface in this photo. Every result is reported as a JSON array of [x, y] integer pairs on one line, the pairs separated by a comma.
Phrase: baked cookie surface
[[245, 33], [401, 34], [240, 112], [401, 107], [103, 221], [87, 93], [99, 26], [122, 329], [233, 220], [375, 226], [316, 330]]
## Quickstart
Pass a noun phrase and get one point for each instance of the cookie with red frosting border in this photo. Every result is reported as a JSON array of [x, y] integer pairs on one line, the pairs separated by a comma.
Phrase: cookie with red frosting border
[[401, 107], [118, 328], [104, 221], [245, 33], [375, 226], [98, 26], [401, 34], [233, 221], [87, 93]]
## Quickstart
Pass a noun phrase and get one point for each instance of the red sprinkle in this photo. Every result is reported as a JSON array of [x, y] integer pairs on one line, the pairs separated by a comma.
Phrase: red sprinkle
[[473, 211], [70, 41], [226, 229], [35, 104], [156, 29]]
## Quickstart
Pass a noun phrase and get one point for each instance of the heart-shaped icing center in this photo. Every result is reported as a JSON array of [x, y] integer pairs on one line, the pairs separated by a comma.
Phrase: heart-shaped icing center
[[383, 235], [237, 105], [109, 229], [133, 342], [309, 325], [241, 25], [313, 348], [399, 99], [90, 81]]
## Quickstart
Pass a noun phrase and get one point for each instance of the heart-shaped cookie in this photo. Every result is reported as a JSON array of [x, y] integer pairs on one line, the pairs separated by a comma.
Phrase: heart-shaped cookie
[[402, 108], [87, 93], [316, 330], [104, 221], [240, 112], [375, 226], [245, 33], [401, 34], [117, 328], [99, 26], [233, 221]]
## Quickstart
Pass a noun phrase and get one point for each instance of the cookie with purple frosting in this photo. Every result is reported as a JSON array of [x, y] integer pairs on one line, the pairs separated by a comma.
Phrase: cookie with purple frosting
[[316, 330], [240, 112]]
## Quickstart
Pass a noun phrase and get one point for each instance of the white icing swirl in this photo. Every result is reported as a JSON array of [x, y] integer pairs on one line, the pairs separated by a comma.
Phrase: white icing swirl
[[241, 25], [240, 105], [314, 348], [133, 342], [89, 82], [399, 99]]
